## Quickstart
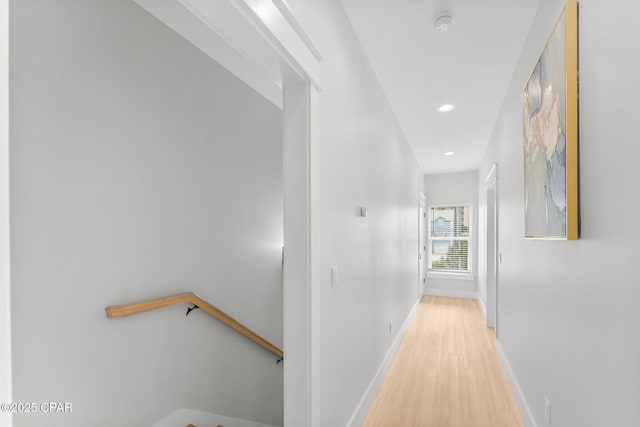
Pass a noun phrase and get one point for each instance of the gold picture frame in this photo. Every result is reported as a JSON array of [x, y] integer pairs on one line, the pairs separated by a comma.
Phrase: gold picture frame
[[550, 135]]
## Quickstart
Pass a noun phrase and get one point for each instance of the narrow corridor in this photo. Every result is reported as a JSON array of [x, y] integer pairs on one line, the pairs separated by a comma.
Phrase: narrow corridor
[[446, 373]]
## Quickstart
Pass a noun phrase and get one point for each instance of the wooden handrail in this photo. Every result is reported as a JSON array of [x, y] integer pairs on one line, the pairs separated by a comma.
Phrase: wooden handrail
[[186, 298]]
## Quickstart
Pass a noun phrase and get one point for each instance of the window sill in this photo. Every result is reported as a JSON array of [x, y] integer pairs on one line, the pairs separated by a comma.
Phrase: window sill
[[451, 276]]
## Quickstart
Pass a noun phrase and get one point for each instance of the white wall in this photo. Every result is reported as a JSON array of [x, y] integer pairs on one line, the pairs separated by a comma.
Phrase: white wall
[[5, 294], [140, 168], [455, 188], [568, 311], [364, 161]]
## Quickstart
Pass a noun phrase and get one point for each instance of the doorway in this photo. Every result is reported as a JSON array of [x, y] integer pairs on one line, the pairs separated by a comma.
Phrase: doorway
[[492, 249], [275, 57]]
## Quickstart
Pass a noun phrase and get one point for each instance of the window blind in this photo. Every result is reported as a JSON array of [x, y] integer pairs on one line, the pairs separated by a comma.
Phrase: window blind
[[449, 235]]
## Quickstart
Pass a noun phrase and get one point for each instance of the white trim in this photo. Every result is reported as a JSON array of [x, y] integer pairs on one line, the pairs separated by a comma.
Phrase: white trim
[[365, 402], [483, 309], [493, 174], [521, 401], [422, 242], [285, 10], [314, 250], [448, 205], [301, 305], [453, 293], [435, 274], [5, 254], [285, 34], [491, 319]]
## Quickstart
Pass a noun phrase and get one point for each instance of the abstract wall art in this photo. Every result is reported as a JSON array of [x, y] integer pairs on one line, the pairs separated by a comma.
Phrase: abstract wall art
[[550, 113]]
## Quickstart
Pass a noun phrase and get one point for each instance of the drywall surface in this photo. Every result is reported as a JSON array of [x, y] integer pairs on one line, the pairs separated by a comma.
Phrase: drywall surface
[[448, 190], [568, 311], [364, 161], [139, 169], [5, 289]]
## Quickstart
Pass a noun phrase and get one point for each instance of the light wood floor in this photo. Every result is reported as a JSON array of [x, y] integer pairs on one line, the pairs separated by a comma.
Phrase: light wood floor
[[446, 373]]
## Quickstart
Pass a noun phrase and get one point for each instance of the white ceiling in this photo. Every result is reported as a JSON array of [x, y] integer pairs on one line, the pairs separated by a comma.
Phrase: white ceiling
[[419, 69]]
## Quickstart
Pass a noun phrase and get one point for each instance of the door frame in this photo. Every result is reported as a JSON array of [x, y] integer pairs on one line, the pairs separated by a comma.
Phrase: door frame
[[422, 244], [264, 45], [492, 288]]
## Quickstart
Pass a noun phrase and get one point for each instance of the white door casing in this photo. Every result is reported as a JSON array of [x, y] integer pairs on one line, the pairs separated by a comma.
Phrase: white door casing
[[422, 242], [492, 248], [301, 299]]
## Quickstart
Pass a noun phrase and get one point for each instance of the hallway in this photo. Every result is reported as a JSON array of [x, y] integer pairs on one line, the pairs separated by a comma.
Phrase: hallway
[[446, 373]]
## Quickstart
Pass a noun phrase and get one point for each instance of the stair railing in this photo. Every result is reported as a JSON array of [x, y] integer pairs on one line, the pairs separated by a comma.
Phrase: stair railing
[[198, 303]]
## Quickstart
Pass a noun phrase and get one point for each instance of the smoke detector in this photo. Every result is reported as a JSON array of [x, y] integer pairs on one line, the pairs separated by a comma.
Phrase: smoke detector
[[442, 22]]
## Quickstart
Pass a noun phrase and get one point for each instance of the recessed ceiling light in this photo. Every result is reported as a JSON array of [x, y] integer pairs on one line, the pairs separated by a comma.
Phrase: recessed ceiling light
[[449, 153], [445, 108]]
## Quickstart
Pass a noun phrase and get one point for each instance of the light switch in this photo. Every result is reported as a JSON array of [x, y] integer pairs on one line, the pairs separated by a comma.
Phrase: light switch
[[334, 277]]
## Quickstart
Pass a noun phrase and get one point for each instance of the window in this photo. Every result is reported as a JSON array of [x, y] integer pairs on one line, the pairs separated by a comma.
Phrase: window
[[449, 239]]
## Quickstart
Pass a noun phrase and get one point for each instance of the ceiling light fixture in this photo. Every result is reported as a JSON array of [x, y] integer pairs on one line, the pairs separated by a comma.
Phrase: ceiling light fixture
[[442, 22], [445, 108], [449, 153]]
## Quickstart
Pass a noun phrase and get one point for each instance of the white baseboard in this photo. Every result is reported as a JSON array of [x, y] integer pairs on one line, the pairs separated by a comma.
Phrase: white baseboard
[[483, 308], [363, 406], [523, 406], [454, 293]]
